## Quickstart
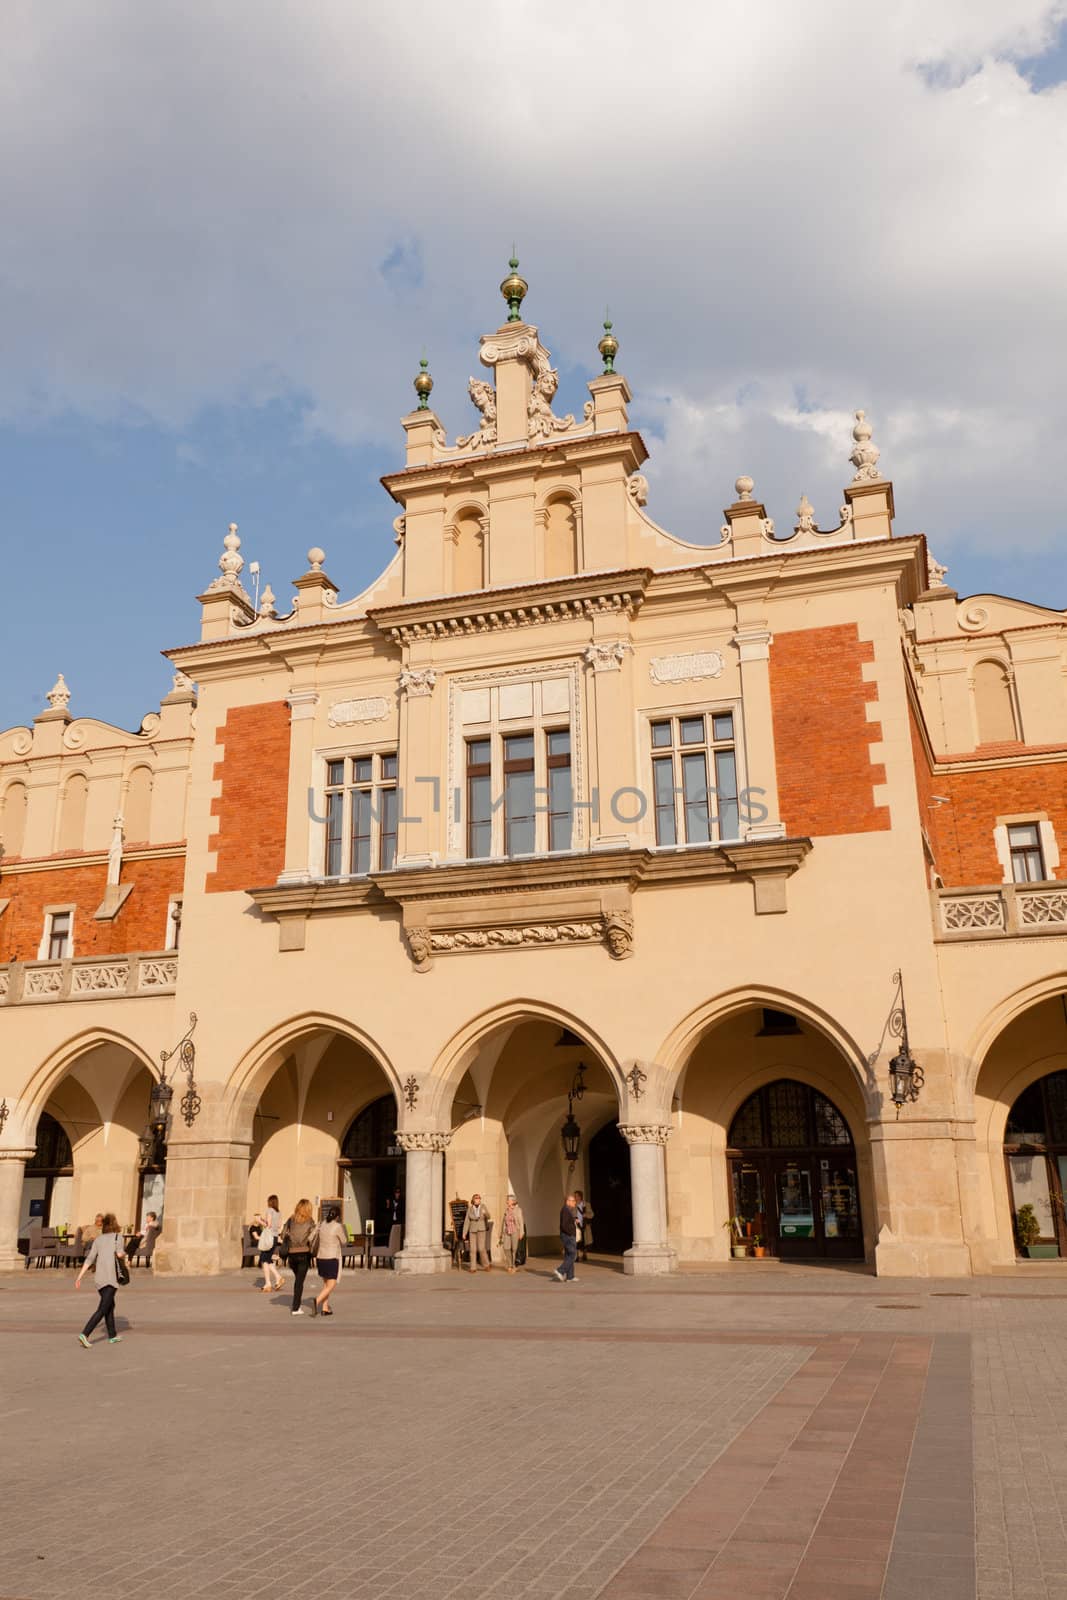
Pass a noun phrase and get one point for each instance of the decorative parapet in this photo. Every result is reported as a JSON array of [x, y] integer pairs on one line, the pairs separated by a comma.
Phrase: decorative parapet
[[88, 978], [1000, 912]]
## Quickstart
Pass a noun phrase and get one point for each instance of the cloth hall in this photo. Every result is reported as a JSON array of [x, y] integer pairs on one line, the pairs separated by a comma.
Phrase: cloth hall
[[723, 881]]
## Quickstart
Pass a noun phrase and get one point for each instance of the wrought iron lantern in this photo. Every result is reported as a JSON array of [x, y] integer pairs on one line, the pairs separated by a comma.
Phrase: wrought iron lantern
[[571, 1136], [905, 1078], [153, 1140]]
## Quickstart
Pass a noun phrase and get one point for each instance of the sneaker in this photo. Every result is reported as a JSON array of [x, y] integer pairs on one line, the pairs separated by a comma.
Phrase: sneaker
[[82, 1340], [558, 1274], [299, 1312], [117, 1339]]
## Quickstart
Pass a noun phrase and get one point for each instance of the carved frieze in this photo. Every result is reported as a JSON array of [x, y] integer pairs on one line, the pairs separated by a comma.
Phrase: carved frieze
[[100, 977], [434, 1142], [645, 1132], [42, 982]]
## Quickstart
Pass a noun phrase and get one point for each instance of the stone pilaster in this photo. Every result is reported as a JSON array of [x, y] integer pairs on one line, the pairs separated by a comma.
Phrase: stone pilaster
[[204, 1213], [12, 1172], [423, 1251], [650, 1252]]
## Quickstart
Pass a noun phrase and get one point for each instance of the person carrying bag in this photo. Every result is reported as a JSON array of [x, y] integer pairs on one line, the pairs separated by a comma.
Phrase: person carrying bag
[[300, 1236], [107, 1257]]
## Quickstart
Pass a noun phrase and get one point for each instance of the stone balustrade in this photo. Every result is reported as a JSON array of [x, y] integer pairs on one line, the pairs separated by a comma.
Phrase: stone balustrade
[[88, 978], [1002, 911]]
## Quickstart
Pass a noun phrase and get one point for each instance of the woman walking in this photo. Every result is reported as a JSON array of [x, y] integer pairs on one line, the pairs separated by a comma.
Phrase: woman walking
[[104, 1255], [273, 1280], [328, 1261], [512, 1229], [300, 1234], [475, 1230]]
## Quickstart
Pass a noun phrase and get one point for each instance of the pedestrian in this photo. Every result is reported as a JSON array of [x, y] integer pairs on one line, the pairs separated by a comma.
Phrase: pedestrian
[[395, 1209], [273, 1280], [568, 1238], [475, 1229], [104, 1256], [94, 1230], [300, 1235], [585, 1225], [331, 1240], [512, 1229]]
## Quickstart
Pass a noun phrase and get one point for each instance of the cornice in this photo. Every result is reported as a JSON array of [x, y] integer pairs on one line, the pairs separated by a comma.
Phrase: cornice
[[94, 858], [524, 458], [514, 606]]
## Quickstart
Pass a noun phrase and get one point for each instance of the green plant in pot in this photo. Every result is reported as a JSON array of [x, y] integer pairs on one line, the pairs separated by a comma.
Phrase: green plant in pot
[[738, 1242], [1028, 1233]]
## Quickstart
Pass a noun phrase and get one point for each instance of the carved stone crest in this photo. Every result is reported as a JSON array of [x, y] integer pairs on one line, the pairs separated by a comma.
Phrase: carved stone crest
[[689, 667], [343, 713]]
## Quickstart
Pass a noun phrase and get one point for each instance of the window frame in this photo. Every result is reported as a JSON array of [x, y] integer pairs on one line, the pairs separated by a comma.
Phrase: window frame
[[344, 792], [499, 768], [1026, 854], [174, 924], [674, 755], [44, 949]]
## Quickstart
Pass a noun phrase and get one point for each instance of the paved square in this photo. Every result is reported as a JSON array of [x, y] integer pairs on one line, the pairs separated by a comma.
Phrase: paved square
[[788, 1432]]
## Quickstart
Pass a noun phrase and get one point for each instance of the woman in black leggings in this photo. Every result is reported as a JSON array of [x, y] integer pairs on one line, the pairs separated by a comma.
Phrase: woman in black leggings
[[106, 1249], [300, 1233]]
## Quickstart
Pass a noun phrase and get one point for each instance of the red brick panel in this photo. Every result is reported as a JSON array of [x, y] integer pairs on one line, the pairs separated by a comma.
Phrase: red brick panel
[[254, 800], [822, 737], [141, 924], [961, 832]]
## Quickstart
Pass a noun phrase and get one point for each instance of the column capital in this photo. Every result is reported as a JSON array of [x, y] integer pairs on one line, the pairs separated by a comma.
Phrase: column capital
[[423, 1139], [645, 1132], [19, 1154]]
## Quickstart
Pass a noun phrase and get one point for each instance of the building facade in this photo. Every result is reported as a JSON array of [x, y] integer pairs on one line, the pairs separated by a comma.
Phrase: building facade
[[563, 826]]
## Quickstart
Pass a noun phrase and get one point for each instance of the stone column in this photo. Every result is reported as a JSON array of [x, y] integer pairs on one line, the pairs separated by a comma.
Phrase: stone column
[[204, 1206], [12, 1172], [423, 1251], [650, 1252]]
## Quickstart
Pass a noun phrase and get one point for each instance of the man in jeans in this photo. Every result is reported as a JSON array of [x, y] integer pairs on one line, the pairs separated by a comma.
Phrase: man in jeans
[[568, 1238]]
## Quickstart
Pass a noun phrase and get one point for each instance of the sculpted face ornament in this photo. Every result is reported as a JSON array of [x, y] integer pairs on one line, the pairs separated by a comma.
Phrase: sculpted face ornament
[[619, 931]]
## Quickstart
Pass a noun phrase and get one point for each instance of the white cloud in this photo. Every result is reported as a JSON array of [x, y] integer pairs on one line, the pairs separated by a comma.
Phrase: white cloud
[[793, 209]]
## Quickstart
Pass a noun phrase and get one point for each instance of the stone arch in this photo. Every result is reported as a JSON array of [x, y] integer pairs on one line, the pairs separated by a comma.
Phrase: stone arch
[[137, 805], [559, 517], [13, 819], [261, 1061], [994, 703], [1000, 1016], [72, 812], [455, 1057], [44, 1080], [677, 1049]]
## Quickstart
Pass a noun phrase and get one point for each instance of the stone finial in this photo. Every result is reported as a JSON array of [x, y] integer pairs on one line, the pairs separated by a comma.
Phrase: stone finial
[[805, 516], [58, 696], [865, 452], [231, 562], [743, 487], [267, 602], [182, 684], [315, 558], [935, 572]]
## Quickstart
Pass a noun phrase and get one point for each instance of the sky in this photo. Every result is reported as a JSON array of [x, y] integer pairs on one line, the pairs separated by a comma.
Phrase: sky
[[231, 231]]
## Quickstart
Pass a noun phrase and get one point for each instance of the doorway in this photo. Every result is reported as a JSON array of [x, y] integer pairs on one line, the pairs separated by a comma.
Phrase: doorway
[[793, 1174], [609, 1191], [371, 1169], [1035, 1150]]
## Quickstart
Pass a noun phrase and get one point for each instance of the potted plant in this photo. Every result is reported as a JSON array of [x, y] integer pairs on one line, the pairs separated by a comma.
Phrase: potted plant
[[1028, 1233], [738, 1243], [759, 1250]]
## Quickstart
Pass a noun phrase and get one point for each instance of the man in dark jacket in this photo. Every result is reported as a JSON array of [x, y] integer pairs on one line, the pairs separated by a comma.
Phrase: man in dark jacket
[[568, 1238]]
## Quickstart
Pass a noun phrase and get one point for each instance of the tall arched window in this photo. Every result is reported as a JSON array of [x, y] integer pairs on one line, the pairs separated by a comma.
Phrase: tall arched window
[[561, 538], [993, 706], [371, 1169], [137, 807], [13, 820], [72, 816], [468, 560]]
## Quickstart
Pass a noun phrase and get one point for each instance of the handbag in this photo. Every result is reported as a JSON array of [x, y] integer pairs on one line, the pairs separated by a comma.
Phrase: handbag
[[122, 1271], [520, 1251]]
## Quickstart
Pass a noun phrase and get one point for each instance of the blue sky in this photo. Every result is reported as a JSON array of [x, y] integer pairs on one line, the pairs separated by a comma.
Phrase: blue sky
[[226, 251]]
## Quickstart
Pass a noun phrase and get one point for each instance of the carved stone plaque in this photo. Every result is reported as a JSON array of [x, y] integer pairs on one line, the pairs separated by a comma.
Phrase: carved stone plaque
[[343, 713], [688, 668]]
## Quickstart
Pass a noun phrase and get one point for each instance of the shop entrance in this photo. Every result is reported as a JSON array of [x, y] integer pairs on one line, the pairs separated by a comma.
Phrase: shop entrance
[[1035, 1149], [793, 1174], [371, 1169], [609, 1191]]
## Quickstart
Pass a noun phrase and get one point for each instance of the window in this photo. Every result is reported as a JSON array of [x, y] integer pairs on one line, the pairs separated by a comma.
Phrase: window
[[1027, 857], [503, 774], [694, 778], [58, 935], [174, 925], [362, 814]]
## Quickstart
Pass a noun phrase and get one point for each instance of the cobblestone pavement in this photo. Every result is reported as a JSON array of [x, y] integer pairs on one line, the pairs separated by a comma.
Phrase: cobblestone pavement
[[773, 1433]]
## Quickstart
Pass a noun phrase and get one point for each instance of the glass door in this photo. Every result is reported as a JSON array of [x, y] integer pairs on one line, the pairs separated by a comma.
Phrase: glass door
[[794, 1192]]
